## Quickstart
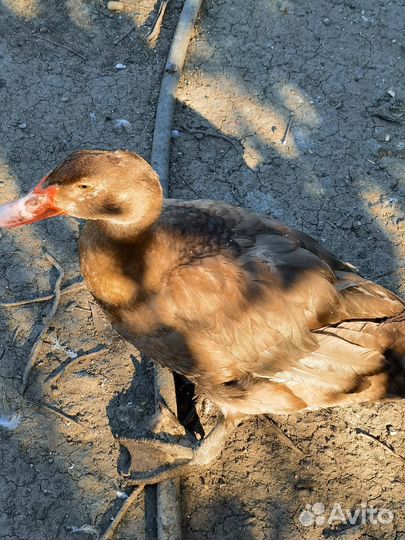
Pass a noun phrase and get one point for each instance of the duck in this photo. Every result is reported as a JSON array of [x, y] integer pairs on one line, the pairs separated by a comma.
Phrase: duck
[[260, 317]]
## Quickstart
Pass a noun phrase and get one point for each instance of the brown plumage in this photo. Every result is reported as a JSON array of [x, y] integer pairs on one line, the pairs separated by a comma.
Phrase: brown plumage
[[259, 316]]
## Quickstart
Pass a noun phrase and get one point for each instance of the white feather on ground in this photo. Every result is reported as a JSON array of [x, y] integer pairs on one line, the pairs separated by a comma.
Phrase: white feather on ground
[[10, 422], [88, 529]]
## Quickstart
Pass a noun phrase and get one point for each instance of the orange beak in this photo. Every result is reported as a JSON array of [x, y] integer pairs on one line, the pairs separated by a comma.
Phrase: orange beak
[[37, 205]]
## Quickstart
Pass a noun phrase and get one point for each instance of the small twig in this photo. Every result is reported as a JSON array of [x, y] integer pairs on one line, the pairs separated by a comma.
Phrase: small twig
[[60, 45], [121, 513], [287, 129], [157, 23], [386, 446], [86, 356], [45, 325], [189, 186], [96, 318], [284, 435], [26, 302], [386, 116], [69, 289], [15, 336], [53, 409], [209, 133], [235, 195], [225, 152], [389, 272], [124, 36]]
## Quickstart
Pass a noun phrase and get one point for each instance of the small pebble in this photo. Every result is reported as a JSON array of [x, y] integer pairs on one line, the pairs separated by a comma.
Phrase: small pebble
[[120, 66], [22, 126], [387, 138], [121, 495], [175, 134], [93, 117], [391, 92], [391, 430]]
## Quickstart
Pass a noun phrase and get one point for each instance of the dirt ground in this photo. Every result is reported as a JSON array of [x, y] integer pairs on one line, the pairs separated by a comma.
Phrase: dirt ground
[[338, 68]]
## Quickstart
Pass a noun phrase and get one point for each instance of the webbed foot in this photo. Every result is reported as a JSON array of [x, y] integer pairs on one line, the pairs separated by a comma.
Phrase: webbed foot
[[158, 459]]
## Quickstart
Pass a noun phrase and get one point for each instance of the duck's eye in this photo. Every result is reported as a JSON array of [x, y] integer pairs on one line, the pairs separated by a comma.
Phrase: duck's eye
[[83, 186]]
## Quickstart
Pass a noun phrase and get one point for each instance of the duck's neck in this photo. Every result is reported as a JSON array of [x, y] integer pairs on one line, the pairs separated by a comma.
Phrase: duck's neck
[[132, 230], [112, 257]]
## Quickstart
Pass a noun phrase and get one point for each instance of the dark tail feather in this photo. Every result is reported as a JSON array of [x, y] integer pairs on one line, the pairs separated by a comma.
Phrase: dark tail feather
[[392, 332]]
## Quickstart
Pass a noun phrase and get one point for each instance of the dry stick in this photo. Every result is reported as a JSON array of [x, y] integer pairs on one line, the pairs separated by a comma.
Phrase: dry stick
[[287, 129], [386, 116], [61, 45], [121, 513], [45, 325], [284, 435], [66, 290], [74, 361], [187, 184], [209, 133], [388, 448], [155, 30], [15, 336], [117, 41], [171, 77], [168, 509], [389, 272], [53, 409]]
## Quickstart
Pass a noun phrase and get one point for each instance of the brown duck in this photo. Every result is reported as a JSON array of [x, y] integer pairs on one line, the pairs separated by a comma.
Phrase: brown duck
[[259, 316]]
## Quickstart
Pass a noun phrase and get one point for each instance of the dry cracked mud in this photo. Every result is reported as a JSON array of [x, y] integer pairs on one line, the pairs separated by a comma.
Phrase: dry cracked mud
[[336, 69]]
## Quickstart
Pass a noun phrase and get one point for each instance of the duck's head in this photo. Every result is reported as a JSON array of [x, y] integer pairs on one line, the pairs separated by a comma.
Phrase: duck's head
[[117, 187]]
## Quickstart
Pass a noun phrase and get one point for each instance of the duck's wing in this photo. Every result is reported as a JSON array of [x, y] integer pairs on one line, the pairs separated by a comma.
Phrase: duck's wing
[[257, 302], [266, 263]]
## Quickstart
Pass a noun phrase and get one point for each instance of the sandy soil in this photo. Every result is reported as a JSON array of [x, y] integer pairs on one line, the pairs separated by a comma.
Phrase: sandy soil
[[339, 176]]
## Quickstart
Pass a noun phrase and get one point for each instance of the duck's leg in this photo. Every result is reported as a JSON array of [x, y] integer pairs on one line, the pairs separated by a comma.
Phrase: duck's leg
[[175, 459]]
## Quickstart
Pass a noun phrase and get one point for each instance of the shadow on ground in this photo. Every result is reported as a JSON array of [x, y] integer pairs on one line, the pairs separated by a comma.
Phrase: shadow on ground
[[337, 177]]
